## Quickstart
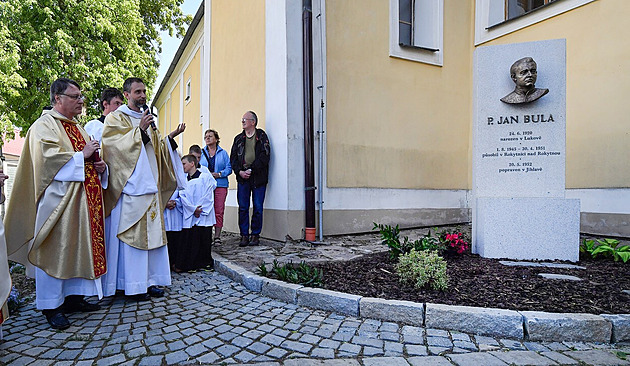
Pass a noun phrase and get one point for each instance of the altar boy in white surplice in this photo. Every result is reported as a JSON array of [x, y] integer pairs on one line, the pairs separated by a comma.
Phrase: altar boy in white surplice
[[194, 250]]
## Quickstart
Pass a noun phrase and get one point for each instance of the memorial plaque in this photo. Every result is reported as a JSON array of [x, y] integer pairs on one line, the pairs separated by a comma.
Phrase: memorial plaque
[[519, 149], [519, 153]]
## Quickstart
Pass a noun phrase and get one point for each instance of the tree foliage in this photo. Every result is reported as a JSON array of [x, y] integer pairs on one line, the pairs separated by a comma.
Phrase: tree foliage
[[98, 43]]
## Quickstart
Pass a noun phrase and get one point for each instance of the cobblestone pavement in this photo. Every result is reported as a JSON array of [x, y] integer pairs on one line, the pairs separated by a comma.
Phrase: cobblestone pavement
[[206, 318], [335, 248]]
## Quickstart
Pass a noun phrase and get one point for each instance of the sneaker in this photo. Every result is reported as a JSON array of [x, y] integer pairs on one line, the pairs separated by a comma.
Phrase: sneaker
[[244, 241], [255, 240]]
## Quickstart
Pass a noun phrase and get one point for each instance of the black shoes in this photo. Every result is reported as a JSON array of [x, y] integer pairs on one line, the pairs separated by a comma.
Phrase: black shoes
[[152, 291], [140, 297], [75, 304], [244, 241], [155, 291], [255, 240], [72, 304], [56, 318]]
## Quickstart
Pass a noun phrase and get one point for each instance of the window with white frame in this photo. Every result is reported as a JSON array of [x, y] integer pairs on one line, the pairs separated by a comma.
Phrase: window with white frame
[[188, 91], [495, 18], [416, 30]]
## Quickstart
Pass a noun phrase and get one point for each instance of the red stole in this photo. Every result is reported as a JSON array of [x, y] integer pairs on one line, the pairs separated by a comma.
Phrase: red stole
[[94, 196]]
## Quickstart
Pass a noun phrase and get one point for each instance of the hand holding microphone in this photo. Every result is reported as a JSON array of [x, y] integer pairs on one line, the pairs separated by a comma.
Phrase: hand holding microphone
[[148, 115]]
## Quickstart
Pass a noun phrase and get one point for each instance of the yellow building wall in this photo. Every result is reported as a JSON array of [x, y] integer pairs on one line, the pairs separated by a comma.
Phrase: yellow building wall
[[192, 108], [393, 123], [174, 109], [237, 75], [164, 124], [170, 104], [598, 59]]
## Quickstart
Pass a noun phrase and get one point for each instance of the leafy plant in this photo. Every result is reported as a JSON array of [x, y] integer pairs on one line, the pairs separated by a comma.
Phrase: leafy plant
[[605, 248], [302, 274], [428, 242], [262, 270], [390, 236], [587, 247], [455, 241], [423, 269]]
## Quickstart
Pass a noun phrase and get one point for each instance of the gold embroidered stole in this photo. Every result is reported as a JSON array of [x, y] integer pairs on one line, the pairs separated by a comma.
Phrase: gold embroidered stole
[[94, 196]]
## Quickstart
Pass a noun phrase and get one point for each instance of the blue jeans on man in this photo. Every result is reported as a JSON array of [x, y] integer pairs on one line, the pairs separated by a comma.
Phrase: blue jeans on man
[[243, 193]]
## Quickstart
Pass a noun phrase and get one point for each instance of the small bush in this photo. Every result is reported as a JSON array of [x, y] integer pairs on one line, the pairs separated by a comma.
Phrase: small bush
[[448, 241], [422, 269], [605, 248], [455, 241], [302, 274]]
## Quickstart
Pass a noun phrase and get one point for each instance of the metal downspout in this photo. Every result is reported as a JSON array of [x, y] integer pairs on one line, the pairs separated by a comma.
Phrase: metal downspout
[[309, 159]]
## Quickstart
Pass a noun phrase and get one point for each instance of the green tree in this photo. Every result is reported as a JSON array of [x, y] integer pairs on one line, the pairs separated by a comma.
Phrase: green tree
[[98, 43]]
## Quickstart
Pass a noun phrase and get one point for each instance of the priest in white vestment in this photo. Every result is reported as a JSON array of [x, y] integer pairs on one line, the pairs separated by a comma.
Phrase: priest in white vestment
[[141, 182], [54, 220]]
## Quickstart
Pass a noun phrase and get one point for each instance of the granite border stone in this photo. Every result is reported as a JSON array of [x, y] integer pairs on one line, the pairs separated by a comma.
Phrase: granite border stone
[[337, 302], [228, 269], [542, 326], [468, 319], [279, 290], [528, 325], [620, 326], [406, 312]]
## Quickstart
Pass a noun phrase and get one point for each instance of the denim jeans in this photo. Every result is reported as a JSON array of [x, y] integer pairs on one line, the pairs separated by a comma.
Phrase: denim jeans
[[243, 193]]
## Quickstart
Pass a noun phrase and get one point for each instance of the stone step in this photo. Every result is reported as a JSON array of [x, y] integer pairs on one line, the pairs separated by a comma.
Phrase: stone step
[[540, 264], [553, 276]]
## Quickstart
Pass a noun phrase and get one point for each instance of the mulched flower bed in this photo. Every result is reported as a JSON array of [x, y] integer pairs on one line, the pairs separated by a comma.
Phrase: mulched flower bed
[[483, 282]]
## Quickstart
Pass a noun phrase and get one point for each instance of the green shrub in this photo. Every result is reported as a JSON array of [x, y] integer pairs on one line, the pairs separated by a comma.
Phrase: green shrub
[[605, 248], [453, 241], [390, 236], [422, 269], [302, 274]]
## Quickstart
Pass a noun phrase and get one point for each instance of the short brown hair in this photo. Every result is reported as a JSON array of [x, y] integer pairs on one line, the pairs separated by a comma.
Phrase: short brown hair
[[191, 158], [216, 134]]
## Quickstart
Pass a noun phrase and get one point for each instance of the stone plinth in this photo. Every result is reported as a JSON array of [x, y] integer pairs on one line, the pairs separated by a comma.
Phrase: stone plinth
[[528, 228]]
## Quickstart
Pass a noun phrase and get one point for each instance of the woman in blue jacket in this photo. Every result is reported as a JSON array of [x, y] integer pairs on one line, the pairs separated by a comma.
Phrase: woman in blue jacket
[[218, 162]]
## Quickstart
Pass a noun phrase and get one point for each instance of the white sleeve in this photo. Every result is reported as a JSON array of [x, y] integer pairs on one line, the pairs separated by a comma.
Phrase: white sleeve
[[73, 170], [104, 178], [177, 165]]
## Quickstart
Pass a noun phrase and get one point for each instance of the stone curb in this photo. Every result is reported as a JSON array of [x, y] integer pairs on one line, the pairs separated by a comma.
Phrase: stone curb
[[337, 302], [279, 290], [620, 326], [468, 319], [405, 312], [540, 326], [527, 325]]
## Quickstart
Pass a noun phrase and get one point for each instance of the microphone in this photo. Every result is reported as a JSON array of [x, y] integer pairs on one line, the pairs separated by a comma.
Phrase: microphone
[[144, 108]]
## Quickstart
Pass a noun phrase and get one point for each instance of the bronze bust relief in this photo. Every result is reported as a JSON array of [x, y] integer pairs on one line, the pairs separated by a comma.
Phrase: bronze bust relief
[[524, 74]]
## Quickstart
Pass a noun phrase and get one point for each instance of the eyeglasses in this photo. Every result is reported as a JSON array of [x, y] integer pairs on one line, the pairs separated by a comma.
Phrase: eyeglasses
[[247, 119], [74, 97]]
